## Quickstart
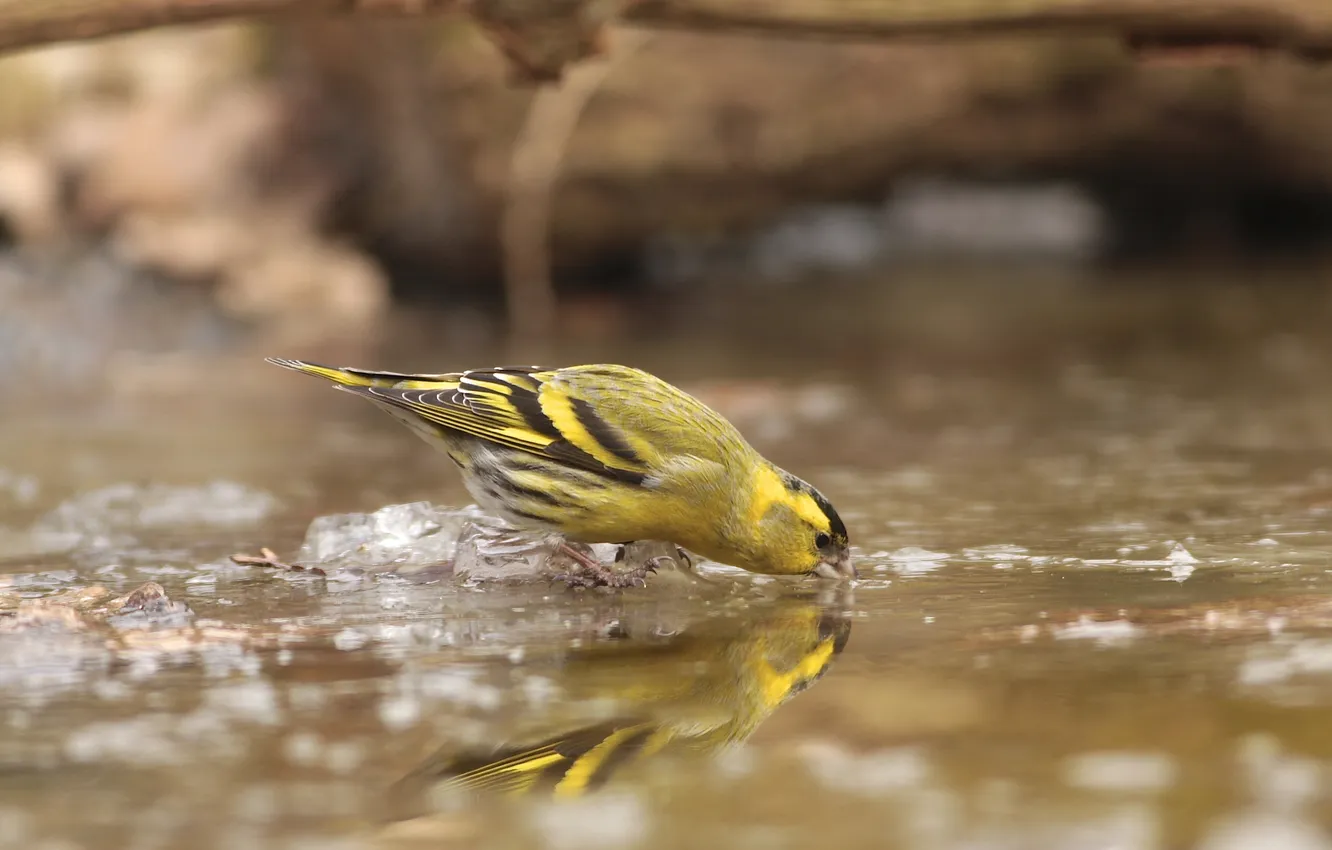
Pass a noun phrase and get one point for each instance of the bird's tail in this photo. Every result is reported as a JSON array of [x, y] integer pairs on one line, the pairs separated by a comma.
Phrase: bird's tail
[[362, 377]]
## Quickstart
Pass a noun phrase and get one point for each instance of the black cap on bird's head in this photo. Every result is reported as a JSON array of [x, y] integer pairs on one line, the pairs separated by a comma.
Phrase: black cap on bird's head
[[830, 540], [835, 625]]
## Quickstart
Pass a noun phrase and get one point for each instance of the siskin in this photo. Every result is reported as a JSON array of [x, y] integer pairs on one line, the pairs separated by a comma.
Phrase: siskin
[[703, 691], [611, 454]]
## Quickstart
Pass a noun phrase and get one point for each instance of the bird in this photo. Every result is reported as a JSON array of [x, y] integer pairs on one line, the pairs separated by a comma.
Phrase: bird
[[706, 688], [604, 453]]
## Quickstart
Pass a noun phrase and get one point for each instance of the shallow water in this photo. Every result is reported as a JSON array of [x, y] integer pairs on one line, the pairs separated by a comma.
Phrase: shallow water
[[1092, 523]]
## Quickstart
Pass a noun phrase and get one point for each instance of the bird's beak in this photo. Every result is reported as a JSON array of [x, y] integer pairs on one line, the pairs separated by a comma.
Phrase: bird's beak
[[840, 569]]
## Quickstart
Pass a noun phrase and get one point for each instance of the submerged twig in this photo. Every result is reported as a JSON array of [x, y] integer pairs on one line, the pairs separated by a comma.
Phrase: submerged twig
[[268, 558]]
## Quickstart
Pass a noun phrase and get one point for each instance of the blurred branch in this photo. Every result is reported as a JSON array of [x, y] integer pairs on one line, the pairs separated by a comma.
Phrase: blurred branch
[[534, 168], [1298, 25], [546, 34], [26, 23]]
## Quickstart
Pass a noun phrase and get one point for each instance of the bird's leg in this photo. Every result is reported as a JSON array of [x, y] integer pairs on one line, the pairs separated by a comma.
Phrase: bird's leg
[[597, 574], [664, 560], [684, 557]]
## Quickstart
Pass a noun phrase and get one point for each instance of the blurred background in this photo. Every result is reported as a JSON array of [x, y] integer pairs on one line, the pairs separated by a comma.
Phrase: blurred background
[[1045, 314], [284, 186]]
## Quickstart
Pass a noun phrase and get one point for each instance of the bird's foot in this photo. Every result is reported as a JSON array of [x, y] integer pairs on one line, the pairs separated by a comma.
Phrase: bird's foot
[[593, 573]]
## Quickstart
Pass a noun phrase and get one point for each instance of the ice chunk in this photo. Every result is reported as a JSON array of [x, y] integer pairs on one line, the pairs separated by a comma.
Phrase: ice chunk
[[1104, 632], [1181, 562], [996, 552], [413, 534], [910, 560], [487, 552], [476, 547], [1180, 556], [490, 553], [105, 517]]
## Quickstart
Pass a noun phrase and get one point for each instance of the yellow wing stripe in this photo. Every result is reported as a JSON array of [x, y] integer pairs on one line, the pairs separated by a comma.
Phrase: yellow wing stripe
[[522, 763], [514, 436], [512, 781], [526, 410], [494, 386], [558, 407], [516, 773], [578, 760], [580, 773], [522, 382]]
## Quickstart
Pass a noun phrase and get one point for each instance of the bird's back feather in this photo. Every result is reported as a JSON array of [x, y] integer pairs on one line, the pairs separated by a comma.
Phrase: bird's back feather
[[600, 418]]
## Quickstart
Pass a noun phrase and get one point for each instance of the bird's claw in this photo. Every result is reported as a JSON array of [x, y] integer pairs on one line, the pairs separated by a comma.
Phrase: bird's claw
[[576, 580], [589, 576], [592, 573], [589, 579]]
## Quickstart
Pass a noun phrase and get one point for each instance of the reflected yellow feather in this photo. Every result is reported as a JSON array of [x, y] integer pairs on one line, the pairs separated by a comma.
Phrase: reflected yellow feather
[[580, 773], [709, 687]]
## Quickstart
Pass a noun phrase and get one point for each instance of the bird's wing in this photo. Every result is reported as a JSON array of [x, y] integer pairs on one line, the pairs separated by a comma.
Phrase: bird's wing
[[525, 408], [635, 415], [568, 764]]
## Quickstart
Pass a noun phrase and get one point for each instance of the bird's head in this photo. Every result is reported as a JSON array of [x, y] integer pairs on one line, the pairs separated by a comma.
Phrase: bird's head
[[797, 530]]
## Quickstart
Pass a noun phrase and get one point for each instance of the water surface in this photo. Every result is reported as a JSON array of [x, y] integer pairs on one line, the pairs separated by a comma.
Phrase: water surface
[[1092, 522]]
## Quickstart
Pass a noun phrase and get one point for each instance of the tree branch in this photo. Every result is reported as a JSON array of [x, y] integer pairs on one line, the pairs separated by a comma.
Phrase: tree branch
[[27, 23], [1300, 26], [1303, 26]]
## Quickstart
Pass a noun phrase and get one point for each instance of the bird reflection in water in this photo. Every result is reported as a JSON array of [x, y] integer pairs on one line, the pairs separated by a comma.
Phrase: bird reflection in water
[[703, 689]]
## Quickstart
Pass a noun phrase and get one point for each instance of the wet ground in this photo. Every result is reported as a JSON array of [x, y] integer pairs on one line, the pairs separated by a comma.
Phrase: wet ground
[[1093, 520]]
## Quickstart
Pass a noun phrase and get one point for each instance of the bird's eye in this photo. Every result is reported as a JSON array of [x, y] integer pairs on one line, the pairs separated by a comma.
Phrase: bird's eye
[[821, 540]]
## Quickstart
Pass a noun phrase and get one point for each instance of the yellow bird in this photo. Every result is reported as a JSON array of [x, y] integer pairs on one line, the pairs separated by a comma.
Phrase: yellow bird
[[702, 691], [610, 454]]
